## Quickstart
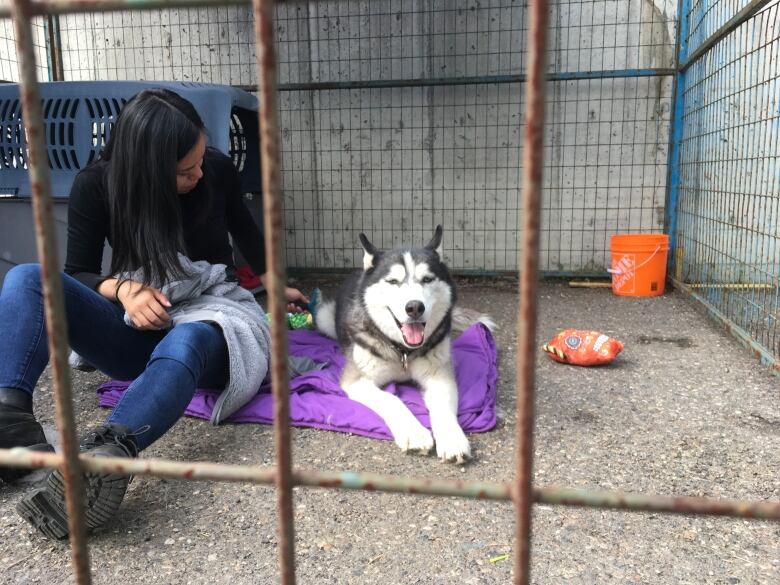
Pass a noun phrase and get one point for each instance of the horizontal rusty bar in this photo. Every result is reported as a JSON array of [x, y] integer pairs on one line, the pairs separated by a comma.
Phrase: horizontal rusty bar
[[499, 491], [756, 509], [202, 471], [407, 485]]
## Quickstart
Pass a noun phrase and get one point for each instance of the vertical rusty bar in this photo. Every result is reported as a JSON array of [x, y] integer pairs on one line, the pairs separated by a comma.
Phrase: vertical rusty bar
[[270, 158], [54, 306], [533, 159]]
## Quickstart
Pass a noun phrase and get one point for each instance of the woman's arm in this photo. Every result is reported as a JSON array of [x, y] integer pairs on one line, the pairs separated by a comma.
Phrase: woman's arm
[[146, 305], [88, 224], [296, 300]]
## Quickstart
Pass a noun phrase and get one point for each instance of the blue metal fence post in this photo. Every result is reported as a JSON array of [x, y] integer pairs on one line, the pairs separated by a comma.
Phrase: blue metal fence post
[[675, 136]]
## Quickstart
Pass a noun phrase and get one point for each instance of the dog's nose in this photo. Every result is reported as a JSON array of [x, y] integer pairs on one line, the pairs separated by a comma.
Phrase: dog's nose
[[415, 309]]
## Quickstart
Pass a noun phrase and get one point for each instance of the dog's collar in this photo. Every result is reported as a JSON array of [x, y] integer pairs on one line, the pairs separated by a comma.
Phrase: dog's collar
[[404, 353]]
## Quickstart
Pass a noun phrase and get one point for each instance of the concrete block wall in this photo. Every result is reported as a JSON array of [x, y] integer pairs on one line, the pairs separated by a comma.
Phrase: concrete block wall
[[395, 161]]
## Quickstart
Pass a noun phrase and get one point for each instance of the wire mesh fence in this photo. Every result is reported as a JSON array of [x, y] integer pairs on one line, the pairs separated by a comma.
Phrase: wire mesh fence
[[396, 116], [210, 44], [9, 62], [728, 213], [705, 17], [751, 207], [398, 112]]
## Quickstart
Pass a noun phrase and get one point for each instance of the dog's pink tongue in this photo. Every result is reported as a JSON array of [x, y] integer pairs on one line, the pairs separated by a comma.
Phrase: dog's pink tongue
[[413, 332]]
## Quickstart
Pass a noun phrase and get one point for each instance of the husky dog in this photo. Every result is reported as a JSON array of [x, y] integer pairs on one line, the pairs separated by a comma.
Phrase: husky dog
[[393, 320]]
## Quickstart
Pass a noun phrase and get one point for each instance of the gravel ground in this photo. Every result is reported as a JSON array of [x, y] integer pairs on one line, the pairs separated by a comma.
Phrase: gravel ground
[[684, 410]]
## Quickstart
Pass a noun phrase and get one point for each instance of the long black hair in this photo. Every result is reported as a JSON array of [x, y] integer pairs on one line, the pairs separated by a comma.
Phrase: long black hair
[[154, 131]]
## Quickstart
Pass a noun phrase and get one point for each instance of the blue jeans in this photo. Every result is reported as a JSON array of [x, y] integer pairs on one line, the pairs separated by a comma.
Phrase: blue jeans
[[166, 366]]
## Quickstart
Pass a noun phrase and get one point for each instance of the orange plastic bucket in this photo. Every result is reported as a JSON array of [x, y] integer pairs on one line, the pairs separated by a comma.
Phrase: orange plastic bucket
[[639, 264]]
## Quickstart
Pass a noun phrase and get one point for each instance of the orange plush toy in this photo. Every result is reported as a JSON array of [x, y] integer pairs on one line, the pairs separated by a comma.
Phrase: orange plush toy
[[582, 348]]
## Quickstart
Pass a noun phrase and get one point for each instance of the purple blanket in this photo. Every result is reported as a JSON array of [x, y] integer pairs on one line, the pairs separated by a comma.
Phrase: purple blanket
[[316, 400]]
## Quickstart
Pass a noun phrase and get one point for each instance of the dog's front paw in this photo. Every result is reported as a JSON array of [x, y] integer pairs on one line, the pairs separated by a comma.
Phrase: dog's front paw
[[453, 445], [413, 437]]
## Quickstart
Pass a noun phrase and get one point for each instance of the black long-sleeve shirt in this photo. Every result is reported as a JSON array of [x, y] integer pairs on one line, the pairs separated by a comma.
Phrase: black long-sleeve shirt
[[89, 225]]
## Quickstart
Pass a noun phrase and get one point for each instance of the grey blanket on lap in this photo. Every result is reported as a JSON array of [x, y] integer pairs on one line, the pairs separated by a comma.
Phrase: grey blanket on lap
[[204, 295]]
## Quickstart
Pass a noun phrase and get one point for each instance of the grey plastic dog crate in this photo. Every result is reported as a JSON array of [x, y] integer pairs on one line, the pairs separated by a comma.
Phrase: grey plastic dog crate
[[78, 119], [79, 116]]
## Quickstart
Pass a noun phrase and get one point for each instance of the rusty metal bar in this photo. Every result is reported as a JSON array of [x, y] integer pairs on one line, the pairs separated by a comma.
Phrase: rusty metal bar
[[533, 148], [201, 471], [667, 504], [53, 300], [273, 216], [496, 491]]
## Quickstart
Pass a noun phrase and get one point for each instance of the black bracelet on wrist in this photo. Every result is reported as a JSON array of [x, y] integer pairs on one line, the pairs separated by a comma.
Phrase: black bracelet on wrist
[[119, 287]]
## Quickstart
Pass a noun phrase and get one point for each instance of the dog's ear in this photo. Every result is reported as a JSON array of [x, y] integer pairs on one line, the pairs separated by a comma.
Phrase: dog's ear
[[369, 252], [435, 243]]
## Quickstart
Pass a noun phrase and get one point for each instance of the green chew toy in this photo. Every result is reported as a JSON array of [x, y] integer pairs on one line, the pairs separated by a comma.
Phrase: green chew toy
[[298, 320]]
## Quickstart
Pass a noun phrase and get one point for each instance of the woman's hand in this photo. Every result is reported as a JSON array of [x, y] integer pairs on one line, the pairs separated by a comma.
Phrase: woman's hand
[[293, 296], [145, 305]]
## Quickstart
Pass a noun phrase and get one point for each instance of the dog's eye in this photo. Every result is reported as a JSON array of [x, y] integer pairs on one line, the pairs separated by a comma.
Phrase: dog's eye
[[427, 279], [393, 281]]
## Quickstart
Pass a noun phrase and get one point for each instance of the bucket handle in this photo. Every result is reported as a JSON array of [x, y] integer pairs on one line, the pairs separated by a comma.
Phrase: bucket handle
[[613, 271]]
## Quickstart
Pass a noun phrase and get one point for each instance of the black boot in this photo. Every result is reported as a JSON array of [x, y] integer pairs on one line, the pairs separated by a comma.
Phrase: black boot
[[44, 507], [18, 428]]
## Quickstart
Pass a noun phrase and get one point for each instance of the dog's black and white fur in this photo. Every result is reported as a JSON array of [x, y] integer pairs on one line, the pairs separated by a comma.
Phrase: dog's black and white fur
[[393, 321]]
